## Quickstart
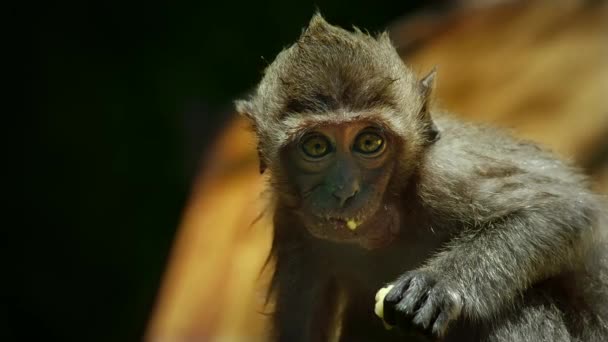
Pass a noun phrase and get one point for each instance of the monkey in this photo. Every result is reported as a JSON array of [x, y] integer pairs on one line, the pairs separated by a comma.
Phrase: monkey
[[480, 236]]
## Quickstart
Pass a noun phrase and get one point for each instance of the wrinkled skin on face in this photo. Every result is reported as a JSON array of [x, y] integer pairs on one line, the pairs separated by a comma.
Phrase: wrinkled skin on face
[[341, 173]]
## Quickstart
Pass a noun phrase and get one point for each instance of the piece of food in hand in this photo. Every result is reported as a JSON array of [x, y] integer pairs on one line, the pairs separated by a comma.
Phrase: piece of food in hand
[[379, 308]]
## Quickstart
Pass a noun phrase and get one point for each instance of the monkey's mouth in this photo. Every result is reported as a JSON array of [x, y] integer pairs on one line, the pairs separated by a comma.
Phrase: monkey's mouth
[[345, 223], [374, 230]]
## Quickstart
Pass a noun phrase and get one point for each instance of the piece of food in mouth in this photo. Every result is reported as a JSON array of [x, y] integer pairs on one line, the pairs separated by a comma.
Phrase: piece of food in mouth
[[352, 224], [379, 307]]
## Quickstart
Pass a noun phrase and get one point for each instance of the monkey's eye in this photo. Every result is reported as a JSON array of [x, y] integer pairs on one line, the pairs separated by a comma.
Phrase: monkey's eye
[[369, 143], [315, 146]]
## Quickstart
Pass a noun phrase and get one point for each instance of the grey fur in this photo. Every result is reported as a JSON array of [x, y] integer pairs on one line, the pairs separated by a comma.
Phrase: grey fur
[[330, 70], [524, 256]]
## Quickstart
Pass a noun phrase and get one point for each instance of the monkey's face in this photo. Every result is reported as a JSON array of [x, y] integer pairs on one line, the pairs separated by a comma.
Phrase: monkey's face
[[341, 173]]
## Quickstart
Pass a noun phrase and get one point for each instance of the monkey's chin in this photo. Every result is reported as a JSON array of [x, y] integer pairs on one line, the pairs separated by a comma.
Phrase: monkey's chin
[[375, 231]]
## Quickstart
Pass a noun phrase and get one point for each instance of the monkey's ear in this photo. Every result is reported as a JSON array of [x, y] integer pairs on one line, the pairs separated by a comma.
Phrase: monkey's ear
[[243, 107], [427, 83]]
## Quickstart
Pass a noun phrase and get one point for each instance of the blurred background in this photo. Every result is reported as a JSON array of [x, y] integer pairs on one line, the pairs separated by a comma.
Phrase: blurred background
[[134, 185]]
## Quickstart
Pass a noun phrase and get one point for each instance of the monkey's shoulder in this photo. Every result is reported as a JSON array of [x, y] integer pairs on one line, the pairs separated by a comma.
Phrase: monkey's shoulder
[[479, 170], [483, 152]]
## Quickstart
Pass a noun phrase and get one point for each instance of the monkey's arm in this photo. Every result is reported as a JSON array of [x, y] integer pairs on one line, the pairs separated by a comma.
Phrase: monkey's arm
[[519, 217]]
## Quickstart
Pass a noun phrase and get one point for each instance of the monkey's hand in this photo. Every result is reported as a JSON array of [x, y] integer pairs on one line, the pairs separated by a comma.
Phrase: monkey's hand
[[420, 299]]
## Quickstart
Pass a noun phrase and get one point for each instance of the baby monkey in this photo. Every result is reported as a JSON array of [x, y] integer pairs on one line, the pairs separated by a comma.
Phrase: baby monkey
[[474, 235]]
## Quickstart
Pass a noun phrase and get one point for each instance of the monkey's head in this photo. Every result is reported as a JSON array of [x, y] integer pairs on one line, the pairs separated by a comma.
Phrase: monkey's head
[[341, 123]]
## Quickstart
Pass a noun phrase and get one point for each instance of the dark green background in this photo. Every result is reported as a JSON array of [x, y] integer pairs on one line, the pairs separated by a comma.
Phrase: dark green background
[[119, 101]]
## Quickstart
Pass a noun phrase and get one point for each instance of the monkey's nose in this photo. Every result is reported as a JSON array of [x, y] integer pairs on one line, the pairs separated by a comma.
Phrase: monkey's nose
[[344, 193]]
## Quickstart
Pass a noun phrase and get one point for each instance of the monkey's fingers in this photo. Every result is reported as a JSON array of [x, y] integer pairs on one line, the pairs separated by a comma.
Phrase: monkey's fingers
[[415, 296], [394, 296], [426, 315], [441, 324]]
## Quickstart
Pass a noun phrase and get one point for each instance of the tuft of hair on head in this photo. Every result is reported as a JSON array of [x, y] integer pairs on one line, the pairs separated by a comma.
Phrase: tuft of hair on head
[[330, 73]]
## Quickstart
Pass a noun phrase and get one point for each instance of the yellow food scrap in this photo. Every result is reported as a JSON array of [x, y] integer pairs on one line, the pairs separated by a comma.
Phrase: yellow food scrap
[[379, 308], [352, 224]]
